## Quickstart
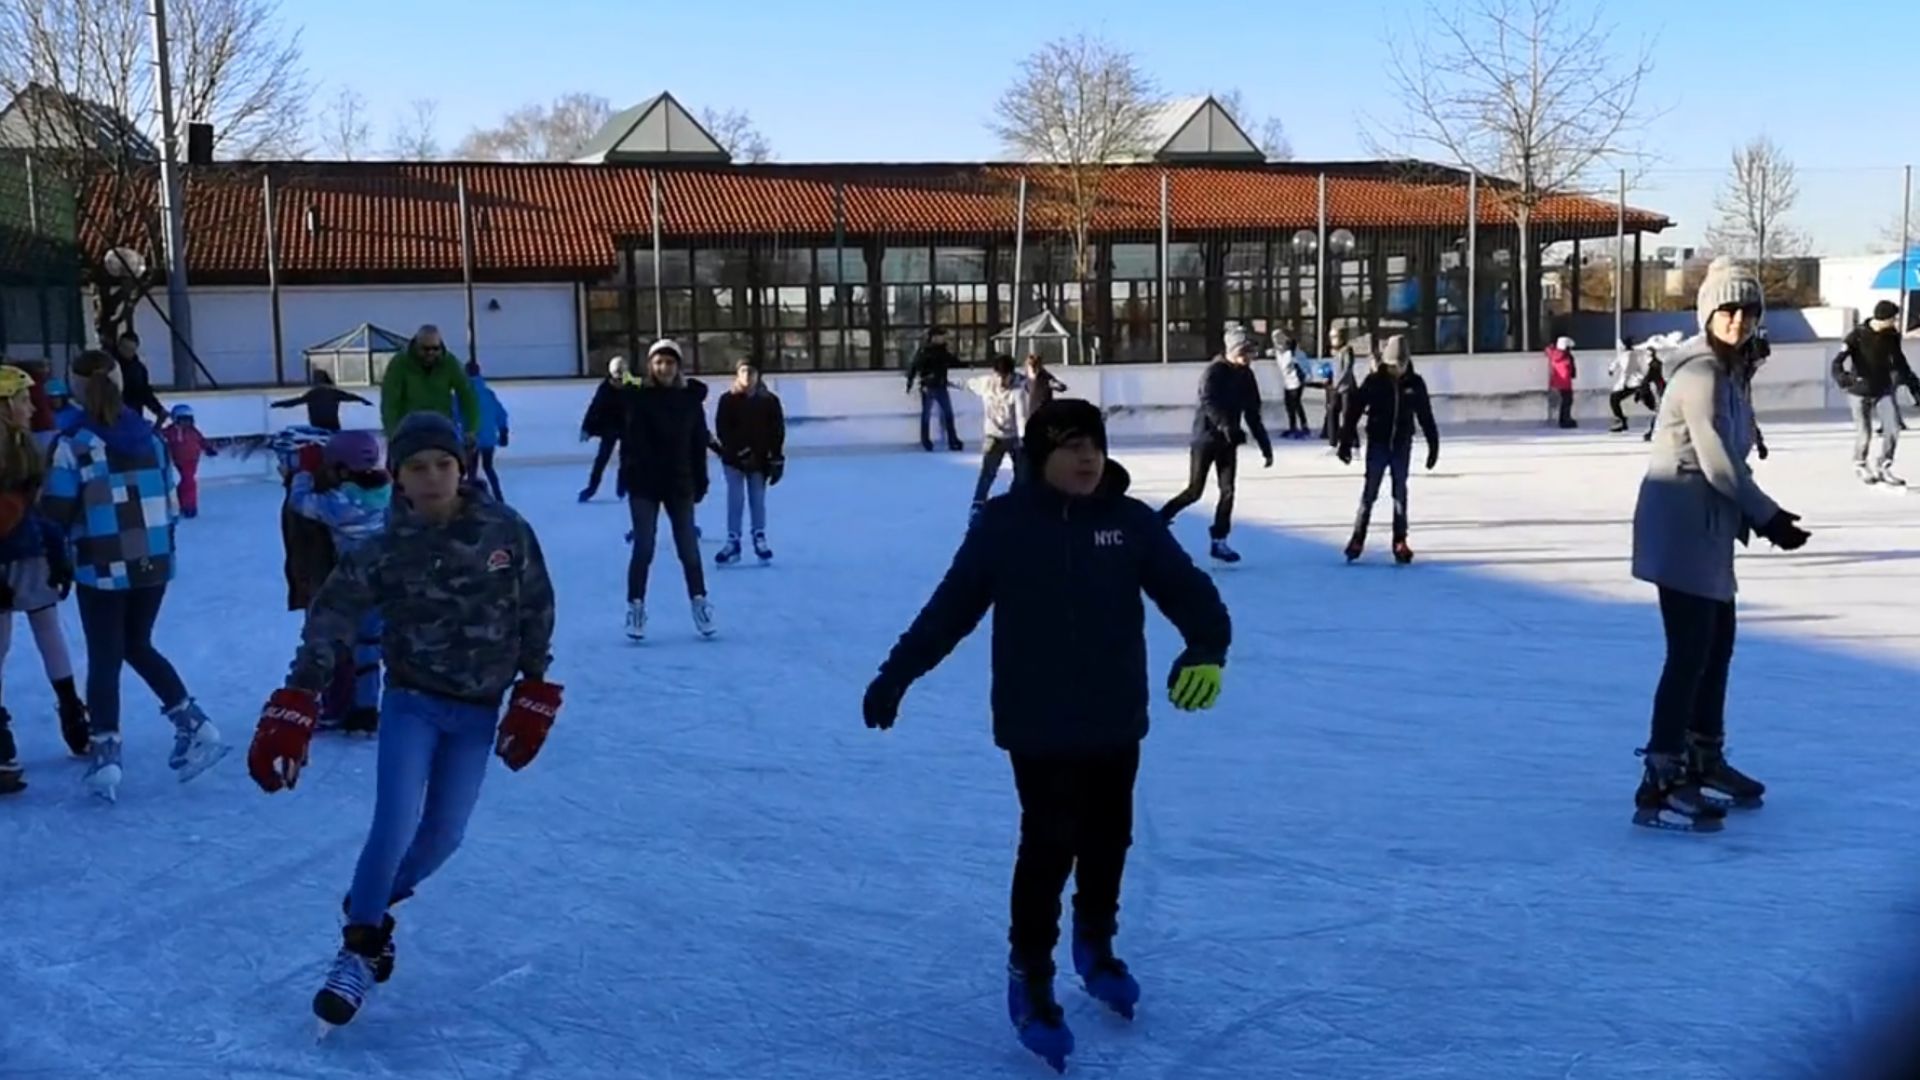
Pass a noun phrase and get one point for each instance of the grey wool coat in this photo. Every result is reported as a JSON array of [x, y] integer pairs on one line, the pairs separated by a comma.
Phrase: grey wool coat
[[1698, 496]]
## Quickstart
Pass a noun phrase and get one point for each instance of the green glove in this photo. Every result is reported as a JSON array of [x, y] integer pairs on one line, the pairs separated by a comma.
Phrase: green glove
[[1196, 686]]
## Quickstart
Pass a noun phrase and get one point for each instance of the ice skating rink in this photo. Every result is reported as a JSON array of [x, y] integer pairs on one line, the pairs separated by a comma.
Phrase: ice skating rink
[[1398, 849]]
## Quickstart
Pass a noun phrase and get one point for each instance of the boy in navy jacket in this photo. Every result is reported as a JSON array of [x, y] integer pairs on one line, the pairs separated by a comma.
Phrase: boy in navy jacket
[[1064, 561]]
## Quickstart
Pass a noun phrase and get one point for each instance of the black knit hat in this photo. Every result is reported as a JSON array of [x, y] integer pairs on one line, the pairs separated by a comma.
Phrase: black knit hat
[[1058, 421], [1886, 309], [423, 431]]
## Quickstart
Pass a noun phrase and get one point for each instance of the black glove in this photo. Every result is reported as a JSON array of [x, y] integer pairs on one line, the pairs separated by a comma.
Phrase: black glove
[[776, 468], [1760, 447], [1267, 457], [1345, 453], [1783, 533], [881, 706], [60, 576], [1433, 456], [506, 437], [1237, 437]]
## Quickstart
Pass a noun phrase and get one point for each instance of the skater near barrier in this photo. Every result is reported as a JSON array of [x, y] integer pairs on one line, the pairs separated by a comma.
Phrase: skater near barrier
[[462, 592], [1039, 383], [1004, 404], [751, 430], [1394, 401], [1070, 712], [185, 445], [1561, 371], [929, 373], [1697, 499], [1870, 367], [603, 421], [110, 491], [663, 463], [1339, 384], [322, 401], [1294, 380], [1229, 406], [426, 377]]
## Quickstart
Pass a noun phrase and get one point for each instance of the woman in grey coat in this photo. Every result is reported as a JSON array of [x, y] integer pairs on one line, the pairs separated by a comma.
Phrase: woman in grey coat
[[1699, 497]]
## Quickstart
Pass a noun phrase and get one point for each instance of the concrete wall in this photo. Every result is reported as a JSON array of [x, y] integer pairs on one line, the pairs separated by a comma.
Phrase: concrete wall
[[853, 410], [1788, 326], [534, 333]]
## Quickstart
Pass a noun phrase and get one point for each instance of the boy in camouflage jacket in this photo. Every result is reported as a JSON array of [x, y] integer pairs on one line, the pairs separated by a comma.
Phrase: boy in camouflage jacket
[[467, 608]]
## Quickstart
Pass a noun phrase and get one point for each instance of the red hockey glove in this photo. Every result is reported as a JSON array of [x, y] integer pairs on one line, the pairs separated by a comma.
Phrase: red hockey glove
[[279, 749], [310, 459], [530, 713]]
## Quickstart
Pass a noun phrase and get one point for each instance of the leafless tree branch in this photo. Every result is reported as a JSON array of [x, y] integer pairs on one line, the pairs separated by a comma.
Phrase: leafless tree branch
[[345, 132], [539, 132], [734, 130], [416, 132]]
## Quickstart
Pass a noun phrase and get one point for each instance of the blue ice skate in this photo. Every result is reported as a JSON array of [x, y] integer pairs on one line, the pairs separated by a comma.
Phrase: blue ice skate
[[196, 742], [1104, 975], [1036, 1016]]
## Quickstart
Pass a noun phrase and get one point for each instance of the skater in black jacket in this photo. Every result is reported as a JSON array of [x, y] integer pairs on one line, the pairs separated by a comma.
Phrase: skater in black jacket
[[1394, 400], [1870, 367], [604, 419], [1229, 399], [663, 464], [928, 373], [1068, 549]]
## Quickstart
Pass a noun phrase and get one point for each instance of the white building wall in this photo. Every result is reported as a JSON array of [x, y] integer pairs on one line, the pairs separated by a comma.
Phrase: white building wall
[[1845, 281], [534, 333]]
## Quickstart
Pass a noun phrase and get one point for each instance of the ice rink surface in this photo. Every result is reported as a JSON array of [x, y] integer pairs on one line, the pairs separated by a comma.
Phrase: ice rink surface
[[1398, 849]]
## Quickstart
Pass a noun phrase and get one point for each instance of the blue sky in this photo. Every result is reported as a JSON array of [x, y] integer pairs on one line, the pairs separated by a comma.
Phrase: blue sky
[[863, 80]]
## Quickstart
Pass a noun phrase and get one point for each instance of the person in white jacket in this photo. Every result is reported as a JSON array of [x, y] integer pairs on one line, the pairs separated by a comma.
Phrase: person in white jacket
[[1004, 394], [1629, 374], [1293, 383]]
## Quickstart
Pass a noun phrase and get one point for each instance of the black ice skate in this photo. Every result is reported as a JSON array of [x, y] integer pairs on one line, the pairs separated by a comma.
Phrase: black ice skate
[[361, 720], [1222, 553], [1721, 783], [1355, 547], [1037, 1018], [1103, 975], [1402, 554], [760, 549], [350, 978], [730, 554], [383, 964], [13, 778], [75, 728], [1669, 799]]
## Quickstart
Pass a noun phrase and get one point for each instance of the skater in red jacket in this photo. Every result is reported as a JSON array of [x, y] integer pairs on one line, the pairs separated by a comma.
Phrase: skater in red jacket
[[185, 444]]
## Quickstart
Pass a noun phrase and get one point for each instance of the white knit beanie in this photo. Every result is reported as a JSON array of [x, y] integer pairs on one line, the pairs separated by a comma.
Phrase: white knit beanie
[[1728, 284]]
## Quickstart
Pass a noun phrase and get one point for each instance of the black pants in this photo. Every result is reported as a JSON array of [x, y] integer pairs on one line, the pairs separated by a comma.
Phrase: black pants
[[996, 452], [1383, 460], [493, 478], [1296, 411], [1076, 818], [1692, 695], [608, 444], [1330, 425], [118, 625], [1564, 398], [1224, 460], [686, 542]]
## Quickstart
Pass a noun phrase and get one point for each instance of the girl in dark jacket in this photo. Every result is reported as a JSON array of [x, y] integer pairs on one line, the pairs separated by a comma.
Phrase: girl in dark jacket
[[605, 417], [663, 465], [751, 430]]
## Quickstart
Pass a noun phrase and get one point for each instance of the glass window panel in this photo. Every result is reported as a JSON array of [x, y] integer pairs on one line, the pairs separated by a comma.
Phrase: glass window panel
[[786, 266], [1187, 341], [721, 309], [676, 266], [959, 264], [850, 300], [1136, 261], [792, 350], [1184, 261], [722, 350], [906, 265], [1188, 299], [1246, 257], [679, 312], [900, 343], [784, 307], [851, 264], [856, 356], [722, 266], [905, 305], [607, 311]]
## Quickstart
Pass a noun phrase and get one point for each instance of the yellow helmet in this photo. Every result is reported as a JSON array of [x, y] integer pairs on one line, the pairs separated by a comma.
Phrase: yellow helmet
[[14, 382]]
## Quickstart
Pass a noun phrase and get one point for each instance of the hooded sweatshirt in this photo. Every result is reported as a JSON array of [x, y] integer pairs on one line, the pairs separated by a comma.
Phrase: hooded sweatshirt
[[110, 490], [1006, 405]]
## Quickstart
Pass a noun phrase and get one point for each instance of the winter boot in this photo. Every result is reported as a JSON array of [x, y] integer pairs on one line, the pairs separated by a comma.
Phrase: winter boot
[[1721, 783], [1102, 974], [75, 730], [1036, 1016], [103, 766], [1866, 473], [956, 445], [1402, 554], [361, 720], [703, 617], [196, 742], [760, 549], [1355, 547], [1618, 427], [12, 777], [730, 554], [636, 620], [1670, 799], [586, 495], [383, 964], [352, 976], [927, 445], [1222, 553]]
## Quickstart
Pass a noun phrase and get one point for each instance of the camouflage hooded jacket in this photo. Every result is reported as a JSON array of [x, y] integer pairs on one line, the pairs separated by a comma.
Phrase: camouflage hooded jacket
[[467, 606]]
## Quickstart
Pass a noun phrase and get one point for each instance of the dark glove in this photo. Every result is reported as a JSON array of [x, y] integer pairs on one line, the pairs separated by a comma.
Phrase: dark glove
[[60, 576], [1783, 533], [1760, 447], [776, 468], [6, 599], [1345, 453], [1267, 458], [881, 707], [1237, 437], [1433, 456], [506, 437]]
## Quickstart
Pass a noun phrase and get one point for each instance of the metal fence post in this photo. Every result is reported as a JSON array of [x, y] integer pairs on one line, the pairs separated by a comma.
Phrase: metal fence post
[[659, 311], [1473, 262], [1320, 277], [1620, 266], [1906, 245], [1166, 276], [842, 295], [273, 280], [466, 265]]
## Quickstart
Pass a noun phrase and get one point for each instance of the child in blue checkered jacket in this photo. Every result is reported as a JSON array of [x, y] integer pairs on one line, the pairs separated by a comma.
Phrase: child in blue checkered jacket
[[110, 491]]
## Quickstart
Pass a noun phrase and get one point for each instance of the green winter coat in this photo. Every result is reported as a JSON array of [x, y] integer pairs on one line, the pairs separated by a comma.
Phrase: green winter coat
[[410, 387]]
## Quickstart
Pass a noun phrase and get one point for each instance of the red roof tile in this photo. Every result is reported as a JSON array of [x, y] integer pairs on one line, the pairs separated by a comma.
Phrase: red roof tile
[[393, 220]]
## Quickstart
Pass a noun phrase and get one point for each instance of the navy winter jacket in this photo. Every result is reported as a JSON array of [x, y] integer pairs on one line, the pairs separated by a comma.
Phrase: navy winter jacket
[[1229, 397], [1065, 578]]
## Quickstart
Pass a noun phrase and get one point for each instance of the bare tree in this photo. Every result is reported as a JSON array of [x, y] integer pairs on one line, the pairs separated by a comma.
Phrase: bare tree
[[1750, 213], [1271, 134], [539, 132], [734, 130], [1533, 92], [416, 132], [79, 74], [345, 132], [1078, 105]]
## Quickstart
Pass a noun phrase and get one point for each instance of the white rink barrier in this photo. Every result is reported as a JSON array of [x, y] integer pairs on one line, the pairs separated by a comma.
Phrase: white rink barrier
[[856, 410]]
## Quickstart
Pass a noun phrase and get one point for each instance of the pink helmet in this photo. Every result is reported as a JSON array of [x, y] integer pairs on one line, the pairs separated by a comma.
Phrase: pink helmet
[[354, 451]]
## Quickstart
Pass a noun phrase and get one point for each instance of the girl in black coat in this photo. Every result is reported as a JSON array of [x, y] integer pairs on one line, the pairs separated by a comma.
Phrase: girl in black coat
[[605, 417], [663, 465], [751, 430]]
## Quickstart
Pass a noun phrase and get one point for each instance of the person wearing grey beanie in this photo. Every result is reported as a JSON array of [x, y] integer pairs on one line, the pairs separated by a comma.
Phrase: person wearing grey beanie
[[1229, 407], [1698, 498]]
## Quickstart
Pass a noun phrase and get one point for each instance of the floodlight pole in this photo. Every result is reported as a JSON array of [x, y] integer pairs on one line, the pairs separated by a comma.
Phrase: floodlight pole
[[173, 217]]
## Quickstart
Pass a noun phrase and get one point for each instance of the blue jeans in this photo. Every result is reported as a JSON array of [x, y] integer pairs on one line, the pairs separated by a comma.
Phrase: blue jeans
[[937, 396], [433, 756], [748, 488], [366, 662]]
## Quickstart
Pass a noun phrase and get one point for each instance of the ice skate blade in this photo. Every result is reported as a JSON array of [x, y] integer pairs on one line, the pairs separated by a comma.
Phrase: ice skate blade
[[12, 786], [1671, 821], [1722, 801], [194, 767]]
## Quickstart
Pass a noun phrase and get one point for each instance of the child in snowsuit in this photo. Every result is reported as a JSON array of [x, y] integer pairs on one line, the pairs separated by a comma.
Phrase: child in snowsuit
[[1394, 400], [1070, 711], [467, 608], [1005, 400], [344, 488], [185, 444]]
